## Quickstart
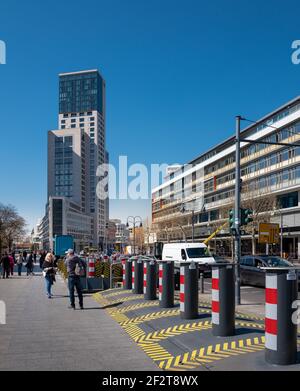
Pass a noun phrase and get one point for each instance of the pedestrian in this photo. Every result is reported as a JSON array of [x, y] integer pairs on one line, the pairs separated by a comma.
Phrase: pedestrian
[[29, 265], [20, 263], [49, 272], [11, 264], [34, 257], [25, 255], [5, 262], [42, 259], [75, 269]]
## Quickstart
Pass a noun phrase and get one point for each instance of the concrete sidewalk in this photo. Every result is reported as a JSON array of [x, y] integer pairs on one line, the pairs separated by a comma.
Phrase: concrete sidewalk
[[43, 334]]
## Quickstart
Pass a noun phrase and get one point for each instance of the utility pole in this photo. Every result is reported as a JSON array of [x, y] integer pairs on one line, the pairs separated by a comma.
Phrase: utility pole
[[281, 234], [237, 212], [193, 225]]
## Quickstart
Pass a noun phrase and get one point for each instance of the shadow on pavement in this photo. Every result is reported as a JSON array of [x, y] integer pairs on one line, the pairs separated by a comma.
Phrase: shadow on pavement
[[245, 330]]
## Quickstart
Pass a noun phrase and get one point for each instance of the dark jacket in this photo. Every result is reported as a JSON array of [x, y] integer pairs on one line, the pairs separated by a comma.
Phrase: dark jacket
[[50, 266], [5, 262], [71, 263]]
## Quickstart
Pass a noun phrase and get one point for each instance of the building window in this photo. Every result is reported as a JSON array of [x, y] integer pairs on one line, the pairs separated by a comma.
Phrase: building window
[[73, 126], [288, 200]]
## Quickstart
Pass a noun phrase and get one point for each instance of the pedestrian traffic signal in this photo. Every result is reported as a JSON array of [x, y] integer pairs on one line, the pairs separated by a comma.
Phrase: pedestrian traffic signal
[[246, 216], [231, 219]]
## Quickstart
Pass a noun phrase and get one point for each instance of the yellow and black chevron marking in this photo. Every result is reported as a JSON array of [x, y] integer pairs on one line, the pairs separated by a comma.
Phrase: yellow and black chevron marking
[[117, 293], [251, 317], [157, 336], [211, 353], [184, 328], [124, 299], [250, 324], [155, 351], [156, 315], [100, 299], [151, 316], [134, 307]]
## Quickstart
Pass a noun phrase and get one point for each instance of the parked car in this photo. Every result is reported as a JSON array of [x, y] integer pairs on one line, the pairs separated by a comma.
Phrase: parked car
[[251, 272]]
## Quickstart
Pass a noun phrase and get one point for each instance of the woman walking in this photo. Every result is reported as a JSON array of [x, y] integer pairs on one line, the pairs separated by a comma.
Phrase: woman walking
[[29, 265], [11, 264], [49, 273], [20, 263]]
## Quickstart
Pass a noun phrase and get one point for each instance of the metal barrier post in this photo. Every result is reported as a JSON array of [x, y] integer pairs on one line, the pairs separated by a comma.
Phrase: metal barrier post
[[150, 280], [280, 329], [201, 283], [223, 300], [137, 276], [188, 290], [127, 277], [166, 284], [91, 266]]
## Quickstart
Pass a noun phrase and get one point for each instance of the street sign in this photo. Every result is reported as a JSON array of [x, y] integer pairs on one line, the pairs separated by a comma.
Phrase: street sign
[[268, 233]]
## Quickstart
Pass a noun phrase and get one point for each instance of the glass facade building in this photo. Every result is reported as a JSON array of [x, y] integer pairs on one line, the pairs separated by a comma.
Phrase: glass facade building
[[80, 92]]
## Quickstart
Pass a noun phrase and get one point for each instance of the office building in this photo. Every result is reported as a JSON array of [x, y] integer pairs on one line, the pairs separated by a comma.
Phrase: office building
[[75, 150], [204, 187]]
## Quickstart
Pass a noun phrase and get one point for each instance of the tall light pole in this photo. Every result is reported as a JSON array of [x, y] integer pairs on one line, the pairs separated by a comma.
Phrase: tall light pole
[[237, 210], [183, 210], [134, 220]]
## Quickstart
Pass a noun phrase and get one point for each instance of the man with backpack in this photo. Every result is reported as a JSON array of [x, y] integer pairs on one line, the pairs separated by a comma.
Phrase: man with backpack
[[75, 270]]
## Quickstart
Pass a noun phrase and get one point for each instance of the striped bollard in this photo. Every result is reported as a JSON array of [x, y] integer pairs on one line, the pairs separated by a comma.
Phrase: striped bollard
[[123, 261], [223, 300], [280, 330], [137, 276], [150, 280], [91, 268], [127, 274], [188, 290], [166, 284]]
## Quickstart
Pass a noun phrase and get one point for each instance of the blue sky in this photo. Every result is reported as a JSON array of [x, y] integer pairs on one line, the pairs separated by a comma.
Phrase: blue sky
[[177, 73]]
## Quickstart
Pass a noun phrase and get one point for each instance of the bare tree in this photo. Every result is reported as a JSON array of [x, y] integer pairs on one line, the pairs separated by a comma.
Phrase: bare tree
[[12, 225], [262, 206]]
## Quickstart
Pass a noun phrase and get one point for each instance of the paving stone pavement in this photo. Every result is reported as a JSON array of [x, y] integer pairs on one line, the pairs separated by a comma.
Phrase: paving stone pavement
[[43, 334]]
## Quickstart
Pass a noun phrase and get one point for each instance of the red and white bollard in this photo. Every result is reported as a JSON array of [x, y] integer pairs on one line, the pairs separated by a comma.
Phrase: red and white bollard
[[188, 290], [160, 275], [223, 304], [123, 271], [91, 270], [166, 284], [145, 278], [280, 327], [133, 275], [215, 297]]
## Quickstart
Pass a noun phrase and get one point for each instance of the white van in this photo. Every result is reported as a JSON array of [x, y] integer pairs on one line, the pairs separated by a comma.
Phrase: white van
[[187, 252]]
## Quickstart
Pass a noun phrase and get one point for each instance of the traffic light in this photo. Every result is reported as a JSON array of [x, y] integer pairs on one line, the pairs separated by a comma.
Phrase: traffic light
[[231, 219], [246, 216]]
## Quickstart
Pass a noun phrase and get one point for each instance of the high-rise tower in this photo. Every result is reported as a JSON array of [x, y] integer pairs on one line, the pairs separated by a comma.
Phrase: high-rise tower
[[77, 148]]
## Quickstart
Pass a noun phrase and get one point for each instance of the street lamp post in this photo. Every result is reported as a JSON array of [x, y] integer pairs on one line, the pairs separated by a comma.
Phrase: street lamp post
[[281, 234], [237, 211], [134, 220], [183, 210]]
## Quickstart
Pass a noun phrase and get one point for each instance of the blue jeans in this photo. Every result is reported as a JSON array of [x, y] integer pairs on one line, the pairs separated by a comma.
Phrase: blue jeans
[[19, 268], [74, 282], [48, 282]]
